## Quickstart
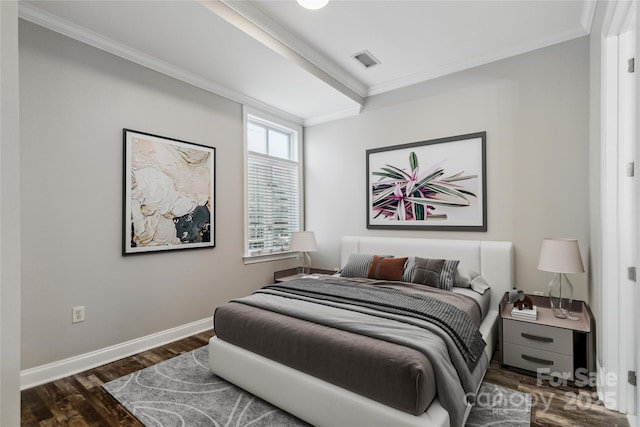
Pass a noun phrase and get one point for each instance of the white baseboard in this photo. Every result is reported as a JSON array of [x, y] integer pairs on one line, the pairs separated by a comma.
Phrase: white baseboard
[[633, 420], [53, 371]]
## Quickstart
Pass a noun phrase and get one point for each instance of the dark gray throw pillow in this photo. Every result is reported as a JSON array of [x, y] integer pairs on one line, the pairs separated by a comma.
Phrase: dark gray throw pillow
[[427, 271], [437, 273]]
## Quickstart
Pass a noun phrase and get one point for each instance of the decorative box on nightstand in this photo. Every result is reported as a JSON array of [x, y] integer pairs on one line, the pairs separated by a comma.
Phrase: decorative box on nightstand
[[548, 345], [292, 273]]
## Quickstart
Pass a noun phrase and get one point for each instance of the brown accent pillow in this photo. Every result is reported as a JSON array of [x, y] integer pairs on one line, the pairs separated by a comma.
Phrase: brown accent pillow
[[386, 268]]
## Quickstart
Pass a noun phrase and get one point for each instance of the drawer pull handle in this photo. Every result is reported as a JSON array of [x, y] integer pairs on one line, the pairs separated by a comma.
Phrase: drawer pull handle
[[536, 338], [536, 360]]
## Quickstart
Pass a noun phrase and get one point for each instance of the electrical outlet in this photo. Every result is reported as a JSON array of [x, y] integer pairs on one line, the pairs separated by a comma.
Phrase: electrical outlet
[[77, 314], [539, 293]]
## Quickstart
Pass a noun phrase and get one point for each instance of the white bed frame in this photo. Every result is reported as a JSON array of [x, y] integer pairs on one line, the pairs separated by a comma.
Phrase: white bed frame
[[323, 404]]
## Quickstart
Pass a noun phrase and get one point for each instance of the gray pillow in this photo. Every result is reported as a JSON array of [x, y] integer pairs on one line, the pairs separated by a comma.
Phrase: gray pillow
[[357, 265], [437, 273], [409, 267], [448, 275], [427, 271]]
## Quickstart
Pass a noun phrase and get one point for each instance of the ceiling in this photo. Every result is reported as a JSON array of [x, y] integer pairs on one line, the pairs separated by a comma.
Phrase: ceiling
[[298, 63]]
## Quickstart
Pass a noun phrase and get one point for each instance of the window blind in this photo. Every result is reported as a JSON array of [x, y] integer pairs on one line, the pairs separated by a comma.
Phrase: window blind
[[273, 203]]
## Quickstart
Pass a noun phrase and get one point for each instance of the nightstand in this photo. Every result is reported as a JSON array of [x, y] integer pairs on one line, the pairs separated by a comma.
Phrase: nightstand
[[557, 347], [292, 273]]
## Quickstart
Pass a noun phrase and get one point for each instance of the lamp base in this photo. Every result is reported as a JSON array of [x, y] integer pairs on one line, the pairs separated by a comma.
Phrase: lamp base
[[304, 263], [564, 314], [303, 270], [561, 296]]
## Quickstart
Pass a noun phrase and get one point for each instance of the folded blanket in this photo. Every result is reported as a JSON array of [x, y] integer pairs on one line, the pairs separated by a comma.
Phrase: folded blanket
[[449, 318]]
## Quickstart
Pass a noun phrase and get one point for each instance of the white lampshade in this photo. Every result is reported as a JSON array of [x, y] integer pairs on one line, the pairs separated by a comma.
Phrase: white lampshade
[[560, 256], [303, 241], [313, 4]]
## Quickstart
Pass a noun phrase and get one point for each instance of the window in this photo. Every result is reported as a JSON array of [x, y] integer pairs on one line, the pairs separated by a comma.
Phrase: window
[[274, 186]]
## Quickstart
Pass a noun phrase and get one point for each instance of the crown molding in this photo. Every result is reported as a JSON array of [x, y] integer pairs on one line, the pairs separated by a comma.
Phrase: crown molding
[[466, 64], [588, 12], [37, 16], [349, 112]]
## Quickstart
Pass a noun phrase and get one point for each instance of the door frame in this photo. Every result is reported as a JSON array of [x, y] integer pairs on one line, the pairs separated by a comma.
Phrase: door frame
[[619, 212]]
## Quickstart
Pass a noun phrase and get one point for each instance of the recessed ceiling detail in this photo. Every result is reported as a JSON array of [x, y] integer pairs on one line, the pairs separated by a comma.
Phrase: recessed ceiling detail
[[366, 59]]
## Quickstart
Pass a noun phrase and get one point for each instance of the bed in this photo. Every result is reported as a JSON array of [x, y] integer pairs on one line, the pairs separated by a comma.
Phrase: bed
[[322, 399]]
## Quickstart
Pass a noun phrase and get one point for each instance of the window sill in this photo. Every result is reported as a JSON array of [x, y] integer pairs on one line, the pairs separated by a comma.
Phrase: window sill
[[268, 257]]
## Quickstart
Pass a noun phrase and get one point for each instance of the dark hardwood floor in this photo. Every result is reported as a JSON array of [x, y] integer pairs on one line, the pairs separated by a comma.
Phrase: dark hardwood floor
[[79, 400], [557, 405]]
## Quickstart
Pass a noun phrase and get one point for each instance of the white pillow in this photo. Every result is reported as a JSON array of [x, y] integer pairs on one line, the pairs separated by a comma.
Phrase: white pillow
[[464, 276], [479, 285], [469, 278]]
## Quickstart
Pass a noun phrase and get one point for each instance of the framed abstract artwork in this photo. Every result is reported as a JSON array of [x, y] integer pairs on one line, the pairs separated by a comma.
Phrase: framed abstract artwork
[[429, 185], [169, 194]]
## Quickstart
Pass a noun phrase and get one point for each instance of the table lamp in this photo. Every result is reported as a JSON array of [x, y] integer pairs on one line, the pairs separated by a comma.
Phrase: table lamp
[[303, 242], [561, 256]]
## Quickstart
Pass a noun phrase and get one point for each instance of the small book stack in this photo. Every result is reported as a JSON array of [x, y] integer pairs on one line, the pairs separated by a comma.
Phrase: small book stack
[[525, 313]]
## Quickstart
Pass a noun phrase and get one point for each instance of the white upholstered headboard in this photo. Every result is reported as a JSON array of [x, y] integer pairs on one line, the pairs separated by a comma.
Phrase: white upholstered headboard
[[492, 259]]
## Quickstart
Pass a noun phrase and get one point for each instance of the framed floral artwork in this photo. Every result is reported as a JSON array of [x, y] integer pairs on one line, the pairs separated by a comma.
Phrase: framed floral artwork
[[438, 184], [169, 194]]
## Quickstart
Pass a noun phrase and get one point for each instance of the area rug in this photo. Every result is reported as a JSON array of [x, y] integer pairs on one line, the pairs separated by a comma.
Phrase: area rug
[[500, 407], [183, 392]]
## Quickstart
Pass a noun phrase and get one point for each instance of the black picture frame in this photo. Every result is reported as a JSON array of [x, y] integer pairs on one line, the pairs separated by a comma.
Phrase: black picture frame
[[439, 184], [168, 194]]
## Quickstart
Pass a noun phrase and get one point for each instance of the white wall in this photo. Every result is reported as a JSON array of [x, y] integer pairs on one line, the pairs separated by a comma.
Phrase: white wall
[[535, 109], [75, 100]]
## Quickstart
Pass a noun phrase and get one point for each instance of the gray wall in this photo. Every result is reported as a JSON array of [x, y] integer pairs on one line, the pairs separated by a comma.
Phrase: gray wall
[[10, 238], [75, 100], [535, 109]]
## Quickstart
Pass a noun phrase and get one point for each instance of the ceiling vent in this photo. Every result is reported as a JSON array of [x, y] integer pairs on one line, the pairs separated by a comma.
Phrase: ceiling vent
[[366, 59]]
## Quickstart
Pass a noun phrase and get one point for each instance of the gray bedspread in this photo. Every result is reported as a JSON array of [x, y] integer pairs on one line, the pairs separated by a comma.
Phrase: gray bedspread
[[454, 321], [454, 378]]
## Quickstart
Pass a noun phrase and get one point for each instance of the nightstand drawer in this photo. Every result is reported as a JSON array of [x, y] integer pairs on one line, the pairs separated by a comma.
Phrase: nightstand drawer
[[533, 359], [538, 336]]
